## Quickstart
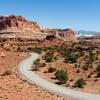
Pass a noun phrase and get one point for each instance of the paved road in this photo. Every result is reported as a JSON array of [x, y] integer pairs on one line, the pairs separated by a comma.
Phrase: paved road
[[25, 69]]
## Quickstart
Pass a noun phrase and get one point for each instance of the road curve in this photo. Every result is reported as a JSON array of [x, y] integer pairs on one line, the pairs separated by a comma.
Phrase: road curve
[[25, 69]]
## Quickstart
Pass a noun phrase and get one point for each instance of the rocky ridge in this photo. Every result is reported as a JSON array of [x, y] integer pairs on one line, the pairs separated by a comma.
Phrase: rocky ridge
[[65, 34], [17, 22], [17, 26]]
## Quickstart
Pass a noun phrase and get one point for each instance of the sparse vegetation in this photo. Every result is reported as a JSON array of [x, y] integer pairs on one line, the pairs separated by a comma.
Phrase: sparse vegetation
[[49, 57], [51, 69], [7, 72], [80, 83], [98, 74], [62, 76], [36, 65], [78, 71], [98, 68]]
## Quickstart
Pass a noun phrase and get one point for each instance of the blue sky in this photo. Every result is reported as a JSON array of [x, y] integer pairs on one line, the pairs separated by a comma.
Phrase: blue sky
[[75, 14]]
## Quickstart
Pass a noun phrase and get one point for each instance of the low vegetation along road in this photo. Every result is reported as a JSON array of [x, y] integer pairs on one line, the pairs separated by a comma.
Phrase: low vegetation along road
[[25, 69]]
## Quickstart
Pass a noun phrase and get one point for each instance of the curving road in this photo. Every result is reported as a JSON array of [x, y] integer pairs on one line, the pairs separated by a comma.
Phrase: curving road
[[25, 69]]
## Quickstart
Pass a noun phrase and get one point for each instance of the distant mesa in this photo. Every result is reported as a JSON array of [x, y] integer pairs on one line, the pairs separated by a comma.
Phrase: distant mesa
[[65, 34]]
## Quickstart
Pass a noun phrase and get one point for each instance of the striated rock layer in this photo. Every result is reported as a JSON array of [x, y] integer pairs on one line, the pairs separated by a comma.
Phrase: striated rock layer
[[17, 22], [17, 26], [66, 34]]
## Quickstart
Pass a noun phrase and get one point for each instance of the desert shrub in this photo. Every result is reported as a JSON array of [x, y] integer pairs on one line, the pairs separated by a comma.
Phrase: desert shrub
[[71, 80], [36, 65], [71, 58], [73, 44], [98, 74], [67, 85], [30, 48], [78, 71], [85, 67], [55, 58], [81, 53], [96, 80], [42, 65], [49, 57], [37, 62], [7, 49], [89, 75], [76, 65], [7, 72], [51, 69], [98, 68], [2, 44], [19, 49], [37, 50], [62, 76], [91, 57], [45, 71], [80, 83], [90, 66]]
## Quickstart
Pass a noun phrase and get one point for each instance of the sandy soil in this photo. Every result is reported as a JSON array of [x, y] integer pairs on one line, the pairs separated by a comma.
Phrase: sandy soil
[[92, 84], [15, 86]]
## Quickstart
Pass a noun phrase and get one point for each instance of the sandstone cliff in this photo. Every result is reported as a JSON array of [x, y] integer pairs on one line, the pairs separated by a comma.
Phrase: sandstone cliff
[[17, 26], [17, 22], [66, 34]]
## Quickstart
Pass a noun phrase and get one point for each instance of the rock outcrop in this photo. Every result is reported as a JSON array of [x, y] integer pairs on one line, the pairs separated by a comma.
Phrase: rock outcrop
[[17, 22], [18, 26], [66, 34]]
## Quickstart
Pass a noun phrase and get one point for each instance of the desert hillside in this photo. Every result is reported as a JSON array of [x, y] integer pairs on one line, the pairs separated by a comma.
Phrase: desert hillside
[[18, 27]]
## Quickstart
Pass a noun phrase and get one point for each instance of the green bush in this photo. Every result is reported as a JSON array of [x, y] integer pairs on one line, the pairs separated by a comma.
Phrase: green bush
[[7, 49], [81, 53], [62, 76], [49, 57], [7, 72], [98, 74], [42, 65], [19, 49], [91, 57], [71, 80], [89, 76], [78, 71], [37, 50], [30, 48], [71, 58], [36, 65], [76, 65], [2, 44], [51, 69], [85, 68], [80, 83], [98, 68]]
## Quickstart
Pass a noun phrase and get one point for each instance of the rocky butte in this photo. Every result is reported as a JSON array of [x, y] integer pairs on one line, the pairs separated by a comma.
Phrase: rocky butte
[[17, 22], [18, 26], [66, 34]]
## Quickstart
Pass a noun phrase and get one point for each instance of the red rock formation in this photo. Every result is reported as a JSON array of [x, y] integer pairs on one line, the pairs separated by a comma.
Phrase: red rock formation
[[66, 34], [18, 22]]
